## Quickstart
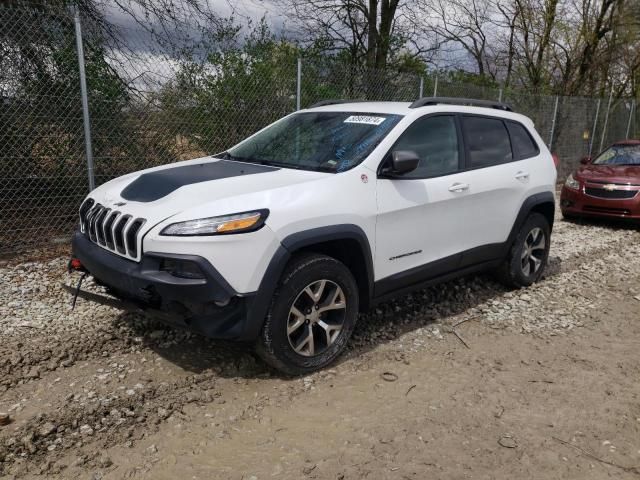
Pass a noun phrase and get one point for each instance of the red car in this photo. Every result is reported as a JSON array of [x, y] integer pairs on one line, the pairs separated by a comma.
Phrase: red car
[[607, 186]]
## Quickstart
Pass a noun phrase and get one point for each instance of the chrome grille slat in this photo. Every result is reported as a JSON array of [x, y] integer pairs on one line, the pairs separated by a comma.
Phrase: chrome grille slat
[[102, 238], [92, 222], [111, 229], [108, 228], [132, 243], [125, 230], [119, 234]]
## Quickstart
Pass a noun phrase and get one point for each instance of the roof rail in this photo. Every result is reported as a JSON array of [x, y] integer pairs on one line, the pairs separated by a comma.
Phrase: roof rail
[[333, 102], [427, 101]]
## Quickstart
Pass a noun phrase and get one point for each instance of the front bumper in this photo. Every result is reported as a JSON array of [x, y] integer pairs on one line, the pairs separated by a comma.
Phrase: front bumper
[[208, 306], [578, 203]]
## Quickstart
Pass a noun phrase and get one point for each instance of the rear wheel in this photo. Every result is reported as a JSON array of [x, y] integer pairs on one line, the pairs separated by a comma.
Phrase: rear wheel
[[529, 253], [311, 316]]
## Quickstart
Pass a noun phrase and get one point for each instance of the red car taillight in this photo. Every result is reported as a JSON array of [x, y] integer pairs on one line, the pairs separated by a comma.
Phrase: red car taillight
[[556, 160]]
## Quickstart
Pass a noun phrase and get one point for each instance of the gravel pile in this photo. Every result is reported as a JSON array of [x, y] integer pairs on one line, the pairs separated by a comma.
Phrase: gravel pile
[[72, 378], [34, 298]]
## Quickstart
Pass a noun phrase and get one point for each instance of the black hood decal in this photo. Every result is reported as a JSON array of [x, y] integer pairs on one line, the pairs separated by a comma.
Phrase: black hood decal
[[152, 186]]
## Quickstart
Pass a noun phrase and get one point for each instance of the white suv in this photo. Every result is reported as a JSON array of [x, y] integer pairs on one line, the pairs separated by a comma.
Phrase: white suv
[[284, 238]]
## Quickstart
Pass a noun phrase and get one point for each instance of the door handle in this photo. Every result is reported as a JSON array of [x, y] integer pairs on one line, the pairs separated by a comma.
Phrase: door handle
[[522, 175], [459, 187]]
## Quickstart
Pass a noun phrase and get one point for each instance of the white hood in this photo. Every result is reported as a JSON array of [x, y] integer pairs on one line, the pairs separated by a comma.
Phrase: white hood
[[163, 192]]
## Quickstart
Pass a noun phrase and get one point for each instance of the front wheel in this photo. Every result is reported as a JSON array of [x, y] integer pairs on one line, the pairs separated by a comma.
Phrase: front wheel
[[311, 317], [529, 253]]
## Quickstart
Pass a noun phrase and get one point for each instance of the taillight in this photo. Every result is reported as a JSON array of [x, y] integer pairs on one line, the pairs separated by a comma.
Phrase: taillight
[[556, 160]]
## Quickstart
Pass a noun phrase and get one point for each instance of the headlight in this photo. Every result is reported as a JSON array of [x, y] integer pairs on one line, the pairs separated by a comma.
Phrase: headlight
[[237, 223], [572, 182]]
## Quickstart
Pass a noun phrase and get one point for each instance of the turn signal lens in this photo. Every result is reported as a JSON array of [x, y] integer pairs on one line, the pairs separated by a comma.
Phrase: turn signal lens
[[237, 223], [572, 182], [240, 224]]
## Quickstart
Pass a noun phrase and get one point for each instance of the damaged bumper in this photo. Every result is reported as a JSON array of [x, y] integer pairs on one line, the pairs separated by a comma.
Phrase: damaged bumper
[[183, 289]]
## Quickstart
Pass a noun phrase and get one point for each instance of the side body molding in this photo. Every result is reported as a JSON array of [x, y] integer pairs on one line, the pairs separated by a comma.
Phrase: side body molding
[[477, 259]]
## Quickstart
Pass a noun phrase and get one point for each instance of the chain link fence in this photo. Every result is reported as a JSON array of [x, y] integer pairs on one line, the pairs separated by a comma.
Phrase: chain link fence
[[150, 103]]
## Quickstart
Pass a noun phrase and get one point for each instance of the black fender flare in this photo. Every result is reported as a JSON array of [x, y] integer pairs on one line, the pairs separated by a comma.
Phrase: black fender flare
[[259, 305], [530, 203]]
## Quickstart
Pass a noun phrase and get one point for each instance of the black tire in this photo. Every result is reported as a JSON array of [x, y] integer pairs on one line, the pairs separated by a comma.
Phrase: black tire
[[274, 345], [512, 272]]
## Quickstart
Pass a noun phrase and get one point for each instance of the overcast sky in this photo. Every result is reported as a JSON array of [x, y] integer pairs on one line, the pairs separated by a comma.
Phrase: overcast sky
[[156, 64], [239, 9], [152, 64]]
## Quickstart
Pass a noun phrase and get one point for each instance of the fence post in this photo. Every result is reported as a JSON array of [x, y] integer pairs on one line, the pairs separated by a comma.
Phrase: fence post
[[85, 100], [421, 87], [553, 123], [633, 105], [595, 125], [606, 121], [299, 84], [500, 95], [435, 86]]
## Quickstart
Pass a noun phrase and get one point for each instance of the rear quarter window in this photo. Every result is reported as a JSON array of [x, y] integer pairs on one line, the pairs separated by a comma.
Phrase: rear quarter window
[[487, 141], [524, 146]]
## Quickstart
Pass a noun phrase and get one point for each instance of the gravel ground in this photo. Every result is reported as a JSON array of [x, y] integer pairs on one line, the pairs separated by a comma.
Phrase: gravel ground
[[79, 385]]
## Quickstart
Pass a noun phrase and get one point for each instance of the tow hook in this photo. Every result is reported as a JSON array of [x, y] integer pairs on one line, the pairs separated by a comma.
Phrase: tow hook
[[75, 265]]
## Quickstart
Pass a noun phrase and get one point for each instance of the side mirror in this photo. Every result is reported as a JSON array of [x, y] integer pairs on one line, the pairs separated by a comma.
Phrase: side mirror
[[403, 161], [585, 160]]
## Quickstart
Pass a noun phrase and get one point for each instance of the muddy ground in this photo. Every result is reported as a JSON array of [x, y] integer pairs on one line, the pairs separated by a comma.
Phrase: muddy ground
[[535, 383]]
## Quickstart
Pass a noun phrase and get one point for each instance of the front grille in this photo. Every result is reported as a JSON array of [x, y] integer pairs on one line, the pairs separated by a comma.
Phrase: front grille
[[610, 194], [111, 229]]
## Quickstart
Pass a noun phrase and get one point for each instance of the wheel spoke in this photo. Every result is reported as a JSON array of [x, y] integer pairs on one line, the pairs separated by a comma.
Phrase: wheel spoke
[[336, 303], [295, 322], [529, 240], [316, 295], [306, 341], [536, 262], [331, 331], [540, 244]]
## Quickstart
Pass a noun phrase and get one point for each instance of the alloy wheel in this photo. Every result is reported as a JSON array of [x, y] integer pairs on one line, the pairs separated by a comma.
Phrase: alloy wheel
[[316, 318], [533, 251]]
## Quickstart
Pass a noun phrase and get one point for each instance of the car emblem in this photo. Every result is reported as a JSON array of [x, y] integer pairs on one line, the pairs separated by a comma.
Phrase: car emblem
[[364, 178], [119, 204], [609, 186]]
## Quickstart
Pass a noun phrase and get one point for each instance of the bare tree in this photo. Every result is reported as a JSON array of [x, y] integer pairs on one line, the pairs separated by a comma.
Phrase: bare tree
[[372, 32], [466, 23]]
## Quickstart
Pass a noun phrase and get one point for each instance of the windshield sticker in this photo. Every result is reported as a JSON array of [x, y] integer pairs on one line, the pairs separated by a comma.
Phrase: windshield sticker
[[366, 119]]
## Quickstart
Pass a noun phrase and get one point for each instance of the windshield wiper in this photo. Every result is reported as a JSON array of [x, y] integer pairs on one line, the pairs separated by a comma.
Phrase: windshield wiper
[[228, 156], [318, 168], [234, 158]]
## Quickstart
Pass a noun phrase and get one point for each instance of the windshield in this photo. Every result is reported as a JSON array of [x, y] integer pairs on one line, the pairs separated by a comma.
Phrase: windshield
[[619, 155], [322, 141]]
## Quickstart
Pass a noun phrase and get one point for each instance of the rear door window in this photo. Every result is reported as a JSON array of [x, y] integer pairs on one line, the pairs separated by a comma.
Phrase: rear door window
[[523, 145], [487, 141]]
